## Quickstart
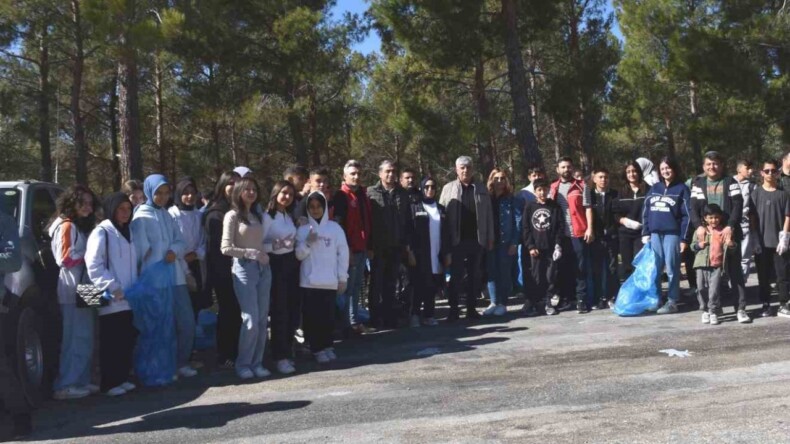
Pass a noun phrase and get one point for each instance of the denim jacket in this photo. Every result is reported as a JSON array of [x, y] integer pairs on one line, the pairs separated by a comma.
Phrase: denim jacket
[[510, 211]]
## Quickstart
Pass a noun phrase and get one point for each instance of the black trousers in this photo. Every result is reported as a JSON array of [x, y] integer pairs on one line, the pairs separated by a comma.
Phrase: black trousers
[[200, 298], [544, 274], [767, 262], [630, 246], [426, 285], [604, 269], [286, 303], [467, 260], [688, 262], [116, 347], [384, 271], [228, 319], [318, 318]]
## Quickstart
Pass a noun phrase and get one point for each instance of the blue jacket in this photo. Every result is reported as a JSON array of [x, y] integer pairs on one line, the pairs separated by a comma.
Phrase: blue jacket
[[510, 210], [666, 210]]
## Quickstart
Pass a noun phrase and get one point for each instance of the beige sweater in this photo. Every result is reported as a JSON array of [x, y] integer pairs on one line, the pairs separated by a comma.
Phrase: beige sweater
[[240, 239]]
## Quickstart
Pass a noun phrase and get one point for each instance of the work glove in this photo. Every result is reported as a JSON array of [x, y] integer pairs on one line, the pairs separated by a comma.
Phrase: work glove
[[645, 239], [784, 239], [557, 253], [632, 224]]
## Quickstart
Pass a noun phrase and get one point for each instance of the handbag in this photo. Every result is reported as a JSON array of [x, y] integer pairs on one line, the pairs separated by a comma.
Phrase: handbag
[[88, 295]]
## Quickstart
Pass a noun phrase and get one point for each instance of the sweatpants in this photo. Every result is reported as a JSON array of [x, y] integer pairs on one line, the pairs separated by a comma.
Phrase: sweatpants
[[76, 348], [228, 320], [286, 303], [427, 285], [318, 317], [252, 283], [117, 337], [709, 288], [768, 261], [544, 274], [185, 324]]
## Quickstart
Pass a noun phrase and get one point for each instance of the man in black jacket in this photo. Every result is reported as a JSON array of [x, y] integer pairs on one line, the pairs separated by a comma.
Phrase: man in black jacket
[[715, 187], [389, 205], [604, 248]]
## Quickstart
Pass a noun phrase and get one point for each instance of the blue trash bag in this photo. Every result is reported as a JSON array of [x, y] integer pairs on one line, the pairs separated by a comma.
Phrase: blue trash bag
[[151, 299], [206, 330], [639, 293]]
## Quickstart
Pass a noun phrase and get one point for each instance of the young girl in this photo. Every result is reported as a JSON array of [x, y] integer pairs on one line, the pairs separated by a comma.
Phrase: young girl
[[286, 299], [708, 264], [112, 266], [157, 238], [242, 238], [189, 221], [69, 232], [322, 248]]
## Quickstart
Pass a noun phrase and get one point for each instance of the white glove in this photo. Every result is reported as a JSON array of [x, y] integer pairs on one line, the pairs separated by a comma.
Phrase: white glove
[[645, 239], [557, 253], [341, 287], [251, 254], [784, 239], [632, 224]]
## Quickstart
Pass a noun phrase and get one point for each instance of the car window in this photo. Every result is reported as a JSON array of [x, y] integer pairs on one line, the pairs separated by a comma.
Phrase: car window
[[41, 212], [9, 202]]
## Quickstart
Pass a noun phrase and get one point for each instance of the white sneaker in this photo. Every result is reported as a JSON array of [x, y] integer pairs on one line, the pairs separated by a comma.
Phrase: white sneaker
[[261, 372], [743, 317], [92, 389], [415, 321], [71, 393], [330, 353], [321, 357], [187, 371], [431, 322], [705, 317], [500, 310], [714, 319], [285, 367], [116, 391], [490, 310], [128, 386], [245, 373]]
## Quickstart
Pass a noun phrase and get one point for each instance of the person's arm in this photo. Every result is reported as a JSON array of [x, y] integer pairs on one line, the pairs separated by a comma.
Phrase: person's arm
[[177, 245], [685, 217], [142, 245], [342, 256], [646, 216], [302, 249], [529, 237], [340, 209], [230, 227], [69, 256], [201, 243], [736, 206], [693, 210], [589, 234], [268, 242], [97, 264], [10, 251]]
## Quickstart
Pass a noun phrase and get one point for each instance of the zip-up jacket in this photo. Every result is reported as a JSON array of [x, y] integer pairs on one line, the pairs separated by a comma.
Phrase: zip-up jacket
[[509, 221], [575, 205], [732, 203], [666, 210], [68, 248], [420, 236], [352, 212], [630, 204], [389, 211], [111, 261], [451, 199], [604, 222]]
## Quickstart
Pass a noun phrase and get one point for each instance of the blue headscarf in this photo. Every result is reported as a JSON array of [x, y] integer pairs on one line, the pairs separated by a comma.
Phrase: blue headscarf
[[152, 183]]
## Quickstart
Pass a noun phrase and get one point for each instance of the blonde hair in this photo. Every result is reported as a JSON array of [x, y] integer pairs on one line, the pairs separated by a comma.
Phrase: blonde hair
[[490, 184]]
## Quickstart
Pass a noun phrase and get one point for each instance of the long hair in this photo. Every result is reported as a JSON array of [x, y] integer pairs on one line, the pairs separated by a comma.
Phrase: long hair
[[490, 184], [626, 190], [219, 189], [674, 165], [271, 207], [68, 204], [238, 204]]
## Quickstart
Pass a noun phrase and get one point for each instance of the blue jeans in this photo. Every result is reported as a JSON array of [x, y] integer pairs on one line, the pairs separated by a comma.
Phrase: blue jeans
[[667, 248], [252, 283], [76, 348], [185, 324], [500, 274], [350, 299]]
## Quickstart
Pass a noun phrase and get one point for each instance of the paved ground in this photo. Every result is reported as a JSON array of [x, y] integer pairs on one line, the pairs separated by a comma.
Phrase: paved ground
[[567, 378]]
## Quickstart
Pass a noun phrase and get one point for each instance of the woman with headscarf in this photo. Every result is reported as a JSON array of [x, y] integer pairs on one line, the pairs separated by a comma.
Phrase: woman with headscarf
[[156, 239], [649, 173], [111, 261], [189, 221], [429, 239]]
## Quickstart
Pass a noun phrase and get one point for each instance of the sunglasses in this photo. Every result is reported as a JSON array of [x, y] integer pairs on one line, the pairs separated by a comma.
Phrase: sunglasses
[[770, 172], [430, 187]]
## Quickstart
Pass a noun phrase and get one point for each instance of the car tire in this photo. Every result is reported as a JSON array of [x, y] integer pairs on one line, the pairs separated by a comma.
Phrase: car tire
[[28, 356]]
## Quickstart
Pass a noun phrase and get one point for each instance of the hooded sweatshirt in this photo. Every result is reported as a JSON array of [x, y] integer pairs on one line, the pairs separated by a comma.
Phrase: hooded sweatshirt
[[666, 210], [189, 221], [10, 247], [155, 232], [324, 262], [68, 247], [110, 258], [649, 173]]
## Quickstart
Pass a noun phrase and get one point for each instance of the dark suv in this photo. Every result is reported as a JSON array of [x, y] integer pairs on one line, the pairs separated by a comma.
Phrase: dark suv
[[32, 322]]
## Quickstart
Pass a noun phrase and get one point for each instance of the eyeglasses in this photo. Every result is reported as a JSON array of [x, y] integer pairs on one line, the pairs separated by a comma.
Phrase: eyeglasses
[[770, 172]]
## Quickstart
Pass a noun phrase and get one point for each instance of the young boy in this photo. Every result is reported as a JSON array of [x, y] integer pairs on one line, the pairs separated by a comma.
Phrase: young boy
[[605, 247], [543, 231], [711, 252]]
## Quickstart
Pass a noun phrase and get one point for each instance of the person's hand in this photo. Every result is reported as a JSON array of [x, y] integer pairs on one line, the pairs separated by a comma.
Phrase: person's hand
[[341, 287], [490, 245], [702, 245], [262, 257], [645, 240], [286, 242], [557, 253], [191, 256], [731, 243], [534, 252], [448, 260], [302, 220], [700, 232], [512, 251], [312, 236], [630, 223], [784, 239], [117, 295], [412, 260], [170, 257], [683, 247], [726, 234], [589, 237], [371, 255]]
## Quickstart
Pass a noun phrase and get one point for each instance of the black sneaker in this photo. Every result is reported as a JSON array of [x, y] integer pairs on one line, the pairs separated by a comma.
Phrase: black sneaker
[[471, 313], [581, 307], [531, 312], [610, 303], [766, 312], [550, 311], [453, 316], [783, 312]]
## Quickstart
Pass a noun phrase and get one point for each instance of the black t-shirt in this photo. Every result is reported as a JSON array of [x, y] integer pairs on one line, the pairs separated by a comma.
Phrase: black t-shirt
[[468, 212], [772, 208]]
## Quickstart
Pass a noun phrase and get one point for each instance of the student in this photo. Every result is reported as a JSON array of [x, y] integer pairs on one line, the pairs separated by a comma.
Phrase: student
[[499, 260], [543, 231], [604, 248], [298, 176], [242, 239], [322, 248], [189, 221], [69, 233], [711, 250], [111, 261], [134, 190], [319, 181], [628, 208], [220, 280], [771, 221], [156, 239], [429, 239], [286, 297]]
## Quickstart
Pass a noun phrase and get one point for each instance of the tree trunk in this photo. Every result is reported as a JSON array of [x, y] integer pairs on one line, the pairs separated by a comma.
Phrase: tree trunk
[[160, 115], [519, 91], [80, 145], [233, 149], [696, 148], [43, 106], [312, 127], [115, 163], [670, 136], [556, 134], [129, 118], [215, 143], [485, 154], [533, 103], [295, 124]]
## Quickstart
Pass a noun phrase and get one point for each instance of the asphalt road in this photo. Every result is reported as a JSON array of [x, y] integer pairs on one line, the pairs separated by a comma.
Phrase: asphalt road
[[566, 379]]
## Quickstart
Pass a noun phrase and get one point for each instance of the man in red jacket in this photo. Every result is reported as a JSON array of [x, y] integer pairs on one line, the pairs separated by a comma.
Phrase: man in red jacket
[[352, 212]]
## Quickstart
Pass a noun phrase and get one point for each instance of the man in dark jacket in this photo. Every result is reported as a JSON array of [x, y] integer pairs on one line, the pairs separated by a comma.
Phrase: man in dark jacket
[[604, 248], [389, 205], [723, 190]]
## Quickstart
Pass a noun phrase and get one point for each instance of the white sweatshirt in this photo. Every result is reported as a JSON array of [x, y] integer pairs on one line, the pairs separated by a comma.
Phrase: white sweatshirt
[[280, 233], [68, 246], [111, 261], [325, 262]]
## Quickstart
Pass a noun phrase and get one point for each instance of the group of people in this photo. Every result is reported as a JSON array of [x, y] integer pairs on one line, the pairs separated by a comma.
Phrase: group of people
[[299, 263]]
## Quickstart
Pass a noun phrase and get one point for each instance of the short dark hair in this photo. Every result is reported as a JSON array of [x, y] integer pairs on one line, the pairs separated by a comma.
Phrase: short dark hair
[[540, 183], [536, 170], [319, 171], [745, 162], [408, 170], [712, 210], [597, 170], [568, 159], [295, 170], [715, 156], [773, 162]]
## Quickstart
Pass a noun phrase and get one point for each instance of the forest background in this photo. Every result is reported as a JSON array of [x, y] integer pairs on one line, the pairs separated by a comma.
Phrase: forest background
[[100, 91]]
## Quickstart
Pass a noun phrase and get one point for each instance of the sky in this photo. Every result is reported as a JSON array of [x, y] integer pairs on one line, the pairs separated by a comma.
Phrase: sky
[[373, 43]]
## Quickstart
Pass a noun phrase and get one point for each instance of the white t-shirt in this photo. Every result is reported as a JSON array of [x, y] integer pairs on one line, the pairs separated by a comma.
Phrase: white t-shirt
[[435, 230]]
